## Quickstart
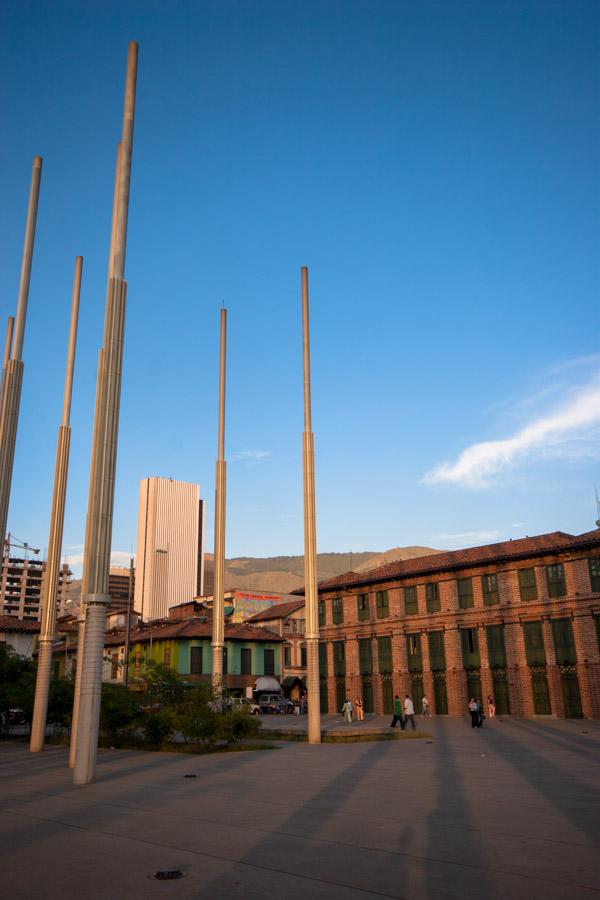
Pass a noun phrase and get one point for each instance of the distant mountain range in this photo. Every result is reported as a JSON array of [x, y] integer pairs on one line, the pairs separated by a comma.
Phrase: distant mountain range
[[283, 574]]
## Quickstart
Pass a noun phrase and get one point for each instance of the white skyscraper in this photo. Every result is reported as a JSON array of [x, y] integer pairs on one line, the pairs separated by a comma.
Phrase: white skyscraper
[[170, 544]]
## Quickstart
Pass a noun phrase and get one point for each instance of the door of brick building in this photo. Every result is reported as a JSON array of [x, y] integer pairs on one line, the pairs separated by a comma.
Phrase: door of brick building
[[367, 695], [500, 691], [440, 695], [570, 692], [540, 692], [387, 694]]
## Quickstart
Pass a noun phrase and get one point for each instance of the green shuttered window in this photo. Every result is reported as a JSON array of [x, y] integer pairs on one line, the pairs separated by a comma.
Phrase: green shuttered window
[[432, 597], [362, 607], [437, 657], [534, 643], [489, 587], [338, 610], [465, 593], [527, 585], [495, 644], [564, 645], [594, 565], [339, 659], [383, 604], [384, 654], [365, 656], [411, 607], [555, 576]]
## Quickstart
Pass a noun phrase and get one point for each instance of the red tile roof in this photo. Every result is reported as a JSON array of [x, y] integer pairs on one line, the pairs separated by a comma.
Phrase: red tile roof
[[190, 628], [10, 624], [278, 611], [488, 554]]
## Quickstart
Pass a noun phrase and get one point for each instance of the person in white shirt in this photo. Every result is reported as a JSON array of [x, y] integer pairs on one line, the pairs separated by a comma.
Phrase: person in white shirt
[[409, 712]]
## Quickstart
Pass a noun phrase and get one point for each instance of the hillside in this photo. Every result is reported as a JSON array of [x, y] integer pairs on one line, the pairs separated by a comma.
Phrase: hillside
[[282, 574], [285, 573]]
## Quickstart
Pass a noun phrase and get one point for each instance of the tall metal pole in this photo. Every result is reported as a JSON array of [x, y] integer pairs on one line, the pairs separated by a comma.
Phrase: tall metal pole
[[310, 537], [96, 564], [128, 623], [81, 614], [57, 517], [13, 375], [7, 344], [218, 623]]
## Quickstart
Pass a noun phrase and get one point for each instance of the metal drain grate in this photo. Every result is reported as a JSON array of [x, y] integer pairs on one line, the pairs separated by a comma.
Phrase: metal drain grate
[[167, 874]]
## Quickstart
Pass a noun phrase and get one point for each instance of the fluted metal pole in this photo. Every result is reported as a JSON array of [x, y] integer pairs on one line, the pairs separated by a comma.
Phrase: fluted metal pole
[[310, 537], [100, 394], [7, 344], [96, 564], [57, 517], [13, 373], [218, 623]]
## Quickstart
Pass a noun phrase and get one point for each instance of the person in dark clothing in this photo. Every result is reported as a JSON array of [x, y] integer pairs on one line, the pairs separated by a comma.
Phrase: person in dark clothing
[[397, 713], [480, 715], [473, 712]]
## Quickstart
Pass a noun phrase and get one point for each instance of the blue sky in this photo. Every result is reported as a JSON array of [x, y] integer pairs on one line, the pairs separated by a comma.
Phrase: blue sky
[[434, 164]]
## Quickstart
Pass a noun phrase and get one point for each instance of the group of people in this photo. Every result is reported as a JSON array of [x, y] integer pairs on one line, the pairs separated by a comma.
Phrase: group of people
[[476, 711], [349, 708], [405, 712]]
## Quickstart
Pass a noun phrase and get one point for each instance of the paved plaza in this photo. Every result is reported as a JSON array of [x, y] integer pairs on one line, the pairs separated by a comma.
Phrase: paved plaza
[[508, 811]]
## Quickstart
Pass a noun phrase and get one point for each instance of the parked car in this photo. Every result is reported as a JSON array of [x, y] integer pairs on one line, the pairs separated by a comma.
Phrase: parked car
[[243, 703], [275, 703]]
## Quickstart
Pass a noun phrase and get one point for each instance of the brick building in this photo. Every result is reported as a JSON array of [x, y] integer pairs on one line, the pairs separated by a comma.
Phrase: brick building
[[519, 620]]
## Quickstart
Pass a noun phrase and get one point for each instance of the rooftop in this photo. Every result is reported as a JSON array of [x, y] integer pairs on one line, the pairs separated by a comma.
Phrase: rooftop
[[487, 554]]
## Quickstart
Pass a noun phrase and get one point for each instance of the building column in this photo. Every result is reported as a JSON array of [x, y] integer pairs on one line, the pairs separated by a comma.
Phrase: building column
[[427, 673], [456, 682], [331, 704], [402, 683], [353, 677], [517, 671], [588, 664], [552, 671], [485, 673]]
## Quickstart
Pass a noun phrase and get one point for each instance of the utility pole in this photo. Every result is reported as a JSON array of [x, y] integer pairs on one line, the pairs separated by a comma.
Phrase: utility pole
[[57, 518], [94, 588], [218, 623], [310, 537]]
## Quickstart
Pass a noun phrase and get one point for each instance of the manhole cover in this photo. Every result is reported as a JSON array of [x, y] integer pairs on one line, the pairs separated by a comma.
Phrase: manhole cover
[[190, 776], [167, 874]]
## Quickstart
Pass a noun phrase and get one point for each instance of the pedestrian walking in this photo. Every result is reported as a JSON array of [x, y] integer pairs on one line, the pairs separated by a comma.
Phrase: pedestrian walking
[[347, 710], [491, 707], [397, 713], [360, 713], [425, 707], [409, 713], [473, 712], [480, 715]]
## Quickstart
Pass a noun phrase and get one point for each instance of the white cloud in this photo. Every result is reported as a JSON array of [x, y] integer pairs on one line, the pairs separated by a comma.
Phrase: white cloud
[[251, 454], [558, 434], [468, 537], [117, 558]]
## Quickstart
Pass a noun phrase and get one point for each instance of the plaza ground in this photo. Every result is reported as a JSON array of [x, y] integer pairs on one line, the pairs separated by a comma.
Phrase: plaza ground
[[508, 811]]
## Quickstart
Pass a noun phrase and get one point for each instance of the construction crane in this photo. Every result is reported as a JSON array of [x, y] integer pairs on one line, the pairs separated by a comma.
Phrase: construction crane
[[22, 545]]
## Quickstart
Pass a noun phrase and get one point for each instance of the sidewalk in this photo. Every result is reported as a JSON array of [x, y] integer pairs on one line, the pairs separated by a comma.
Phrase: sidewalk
[[506, 811]]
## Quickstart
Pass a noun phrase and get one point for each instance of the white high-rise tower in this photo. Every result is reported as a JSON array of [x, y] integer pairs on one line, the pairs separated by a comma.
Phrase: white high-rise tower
[[169, 565]]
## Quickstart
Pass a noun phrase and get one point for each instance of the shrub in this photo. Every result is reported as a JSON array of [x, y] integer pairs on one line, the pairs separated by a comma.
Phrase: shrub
[[119, 712]]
